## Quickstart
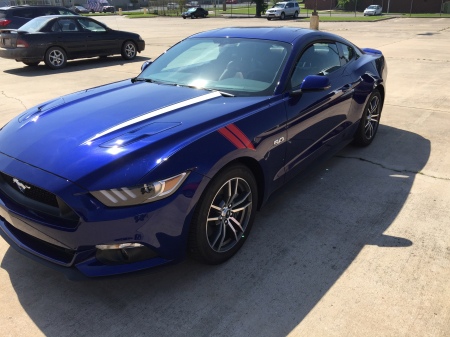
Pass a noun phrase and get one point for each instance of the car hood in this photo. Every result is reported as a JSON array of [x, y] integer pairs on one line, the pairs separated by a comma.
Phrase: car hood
[[123, 125]]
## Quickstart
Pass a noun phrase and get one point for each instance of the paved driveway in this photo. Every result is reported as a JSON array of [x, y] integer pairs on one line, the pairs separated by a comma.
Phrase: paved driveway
[[360, 248]]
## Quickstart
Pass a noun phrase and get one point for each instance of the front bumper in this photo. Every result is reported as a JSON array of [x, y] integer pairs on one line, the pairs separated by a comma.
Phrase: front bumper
[[70, 245], [141, 45], [273, 14]]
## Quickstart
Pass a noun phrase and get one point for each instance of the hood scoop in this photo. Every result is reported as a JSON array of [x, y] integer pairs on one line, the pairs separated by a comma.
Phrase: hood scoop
[[138, 134]]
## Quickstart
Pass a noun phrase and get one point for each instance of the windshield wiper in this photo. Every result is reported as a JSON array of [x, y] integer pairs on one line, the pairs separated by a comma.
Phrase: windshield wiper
[[140, 79], [223, 93]]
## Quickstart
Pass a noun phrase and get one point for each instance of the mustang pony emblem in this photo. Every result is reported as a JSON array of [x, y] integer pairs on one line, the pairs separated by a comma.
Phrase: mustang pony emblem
[[22, 187]]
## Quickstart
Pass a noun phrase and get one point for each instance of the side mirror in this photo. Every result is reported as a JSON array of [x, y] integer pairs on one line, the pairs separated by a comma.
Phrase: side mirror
[[313, 83], [145, 65]]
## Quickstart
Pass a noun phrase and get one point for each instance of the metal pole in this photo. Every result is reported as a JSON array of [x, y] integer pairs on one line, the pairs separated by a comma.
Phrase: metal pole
[[389, 2], [356, 2], [410, 11]]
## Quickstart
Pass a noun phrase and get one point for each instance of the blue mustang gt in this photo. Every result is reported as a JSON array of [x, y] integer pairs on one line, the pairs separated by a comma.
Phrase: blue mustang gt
[[137, 174]]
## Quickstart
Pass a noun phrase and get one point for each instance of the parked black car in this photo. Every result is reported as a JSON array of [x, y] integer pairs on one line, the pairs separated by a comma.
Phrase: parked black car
[[79, 9], [195, 12], [16, 16], [106, 9], [57, 38]]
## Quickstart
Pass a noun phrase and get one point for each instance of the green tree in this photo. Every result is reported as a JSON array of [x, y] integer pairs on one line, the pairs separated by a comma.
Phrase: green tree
[[261, 7], [346, 4]]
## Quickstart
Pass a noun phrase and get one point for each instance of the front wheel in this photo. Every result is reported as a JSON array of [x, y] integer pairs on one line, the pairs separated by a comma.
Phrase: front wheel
[[368, 126], [282, 16], [295, 15], [55, 58], [129, 50], [224, 216]]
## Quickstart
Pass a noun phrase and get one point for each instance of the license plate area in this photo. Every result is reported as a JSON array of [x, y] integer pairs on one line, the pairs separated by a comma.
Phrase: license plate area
[[6, 42]]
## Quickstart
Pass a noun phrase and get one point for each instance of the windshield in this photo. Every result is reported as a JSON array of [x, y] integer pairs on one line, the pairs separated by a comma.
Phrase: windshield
[[278, 6], [34, 25], [241, 67], [372, 7], [192, 9]]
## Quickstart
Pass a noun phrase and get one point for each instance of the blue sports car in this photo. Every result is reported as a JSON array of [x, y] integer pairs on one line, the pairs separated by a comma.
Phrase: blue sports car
[[176, 161]]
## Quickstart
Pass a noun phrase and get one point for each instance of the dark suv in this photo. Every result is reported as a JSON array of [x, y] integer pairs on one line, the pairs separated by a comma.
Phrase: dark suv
[[16, 16]]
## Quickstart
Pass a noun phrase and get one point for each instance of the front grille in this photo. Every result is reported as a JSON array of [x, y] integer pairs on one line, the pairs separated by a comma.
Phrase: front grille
[[30, 191], [43, 206]]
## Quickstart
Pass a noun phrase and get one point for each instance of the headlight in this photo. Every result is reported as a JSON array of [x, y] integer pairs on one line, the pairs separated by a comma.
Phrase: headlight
[[129, 196]]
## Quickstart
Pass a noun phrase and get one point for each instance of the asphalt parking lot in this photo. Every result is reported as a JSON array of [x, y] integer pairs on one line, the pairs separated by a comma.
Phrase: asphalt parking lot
[[360, 248]]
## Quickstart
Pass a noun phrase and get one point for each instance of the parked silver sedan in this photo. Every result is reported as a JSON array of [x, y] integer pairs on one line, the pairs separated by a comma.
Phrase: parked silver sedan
[[373, 10]]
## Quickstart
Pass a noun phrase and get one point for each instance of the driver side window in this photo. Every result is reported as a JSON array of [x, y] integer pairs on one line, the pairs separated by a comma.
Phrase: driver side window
[[317, 59]]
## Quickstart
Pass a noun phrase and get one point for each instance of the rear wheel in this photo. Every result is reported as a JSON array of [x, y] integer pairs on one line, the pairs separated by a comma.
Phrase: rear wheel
[[55, 58], [224, 215], [370, 120], [31, 64], [129, 50]]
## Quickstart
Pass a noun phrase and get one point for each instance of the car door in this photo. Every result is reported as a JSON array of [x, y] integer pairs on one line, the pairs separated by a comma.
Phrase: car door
[[99, 39], [316, 119], [69, 35], [289, 9]]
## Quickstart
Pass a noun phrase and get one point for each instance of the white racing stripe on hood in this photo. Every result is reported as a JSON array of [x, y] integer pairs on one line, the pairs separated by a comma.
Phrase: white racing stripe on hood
[[155, 113]]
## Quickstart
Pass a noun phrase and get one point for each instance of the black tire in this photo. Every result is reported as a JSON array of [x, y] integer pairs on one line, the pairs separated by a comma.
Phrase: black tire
[[282, 16], [55, 58], [192, 16], [268, 19], [296, 15], [129, 50], [229, 202], [184, 17], [370, 119], [31, 64]]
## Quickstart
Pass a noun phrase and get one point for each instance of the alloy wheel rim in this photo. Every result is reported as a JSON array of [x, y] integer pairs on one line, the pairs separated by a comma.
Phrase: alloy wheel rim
[[372, 117], [229, 215], [130, 50], [56, 58]]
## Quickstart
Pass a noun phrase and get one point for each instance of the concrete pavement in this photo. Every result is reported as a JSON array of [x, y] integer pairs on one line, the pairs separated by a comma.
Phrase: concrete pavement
[[360, 248]]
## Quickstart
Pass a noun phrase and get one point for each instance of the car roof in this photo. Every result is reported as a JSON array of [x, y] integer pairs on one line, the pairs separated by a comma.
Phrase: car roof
[[31, 6], [281, 34], [63, 16]]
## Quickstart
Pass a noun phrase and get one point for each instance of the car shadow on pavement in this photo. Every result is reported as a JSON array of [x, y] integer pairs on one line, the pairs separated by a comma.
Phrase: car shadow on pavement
[[73, 66], [303, 240]]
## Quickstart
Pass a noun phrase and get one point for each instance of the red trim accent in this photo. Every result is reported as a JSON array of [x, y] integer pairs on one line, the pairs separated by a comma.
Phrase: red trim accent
[[236, 137], [232, 138], [233, 128]]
